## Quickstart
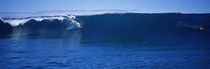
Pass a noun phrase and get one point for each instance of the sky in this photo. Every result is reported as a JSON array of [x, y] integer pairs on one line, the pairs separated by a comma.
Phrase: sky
[[141, 6]]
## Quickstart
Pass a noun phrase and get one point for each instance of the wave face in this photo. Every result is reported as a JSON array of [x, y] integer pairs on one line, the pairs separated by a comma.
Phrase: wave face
[[126, 26], [147, 27], [5, 28], [45, 26]]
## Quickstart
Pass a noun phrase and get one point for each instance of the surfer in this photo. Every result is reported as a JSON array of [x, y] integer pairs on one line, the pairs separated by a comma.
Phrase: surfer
[[81, 25], [179, 13]]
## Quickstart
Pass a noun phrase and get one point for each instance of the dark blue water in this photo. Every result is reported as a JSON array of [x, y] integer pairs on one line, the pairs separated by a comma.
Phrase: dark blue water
[[108, 41], [62, 54]]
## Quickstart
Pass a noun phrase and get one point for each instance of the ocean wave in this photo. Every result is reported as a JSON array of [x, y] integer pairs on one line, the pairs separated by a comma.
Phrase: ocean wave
[[126, 25], [21, 21], [44, 26]]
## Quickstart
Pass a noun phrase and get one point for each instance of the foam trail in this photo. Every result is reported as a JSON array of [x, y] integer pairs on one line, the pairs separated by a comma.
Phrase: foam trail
[[74, 23]]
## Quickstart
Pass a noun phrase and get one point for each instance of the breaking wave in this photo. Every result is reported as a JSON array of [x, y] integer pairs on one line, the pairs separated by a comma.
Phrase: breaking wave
[[124, 26], [21, 21], [39, 26]]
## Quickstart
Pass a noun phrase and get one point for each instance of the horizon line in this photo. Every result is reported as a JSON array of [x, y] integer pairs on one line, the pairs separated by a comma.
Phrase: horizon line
[[79, 13], [112, 10]]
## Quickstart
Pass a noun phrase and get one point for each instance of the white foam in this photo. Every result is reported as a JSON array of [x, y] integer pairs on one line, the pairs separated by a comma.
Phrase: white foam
[[48, 18], [1, 19], [73, 22], [16, 22]]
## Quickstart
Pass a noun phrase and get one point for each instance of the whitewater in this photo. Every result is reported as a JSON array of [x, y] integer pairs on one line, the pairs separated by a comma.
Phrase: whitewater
[[21, 21]]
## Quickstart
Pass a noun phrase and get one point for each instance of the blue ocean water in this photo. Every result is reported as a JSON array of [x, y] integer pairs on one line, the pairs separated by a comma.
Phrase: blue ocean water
[[61, 54], [108, 41]]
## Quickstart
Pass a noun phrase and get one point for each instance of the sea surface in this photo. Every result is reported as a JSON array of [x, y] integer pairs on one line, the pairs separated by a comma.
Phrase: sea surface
[[108, 41], [61, 54]]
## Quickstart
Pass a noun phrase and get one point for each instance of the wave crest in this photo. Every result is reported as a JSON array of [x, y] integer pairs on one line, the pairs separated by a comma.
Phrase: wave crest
[[21, 21]]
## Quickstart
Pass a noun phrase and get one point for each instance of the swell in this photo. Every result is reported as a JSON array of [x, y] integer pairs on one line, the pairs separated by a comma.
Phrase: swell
[[142, 27], [126, 26]]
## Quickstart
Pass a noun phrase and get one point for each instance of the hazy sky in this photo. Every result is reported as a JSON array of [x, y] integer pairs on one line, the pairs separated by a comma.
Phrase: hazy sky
[[148, 6]]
